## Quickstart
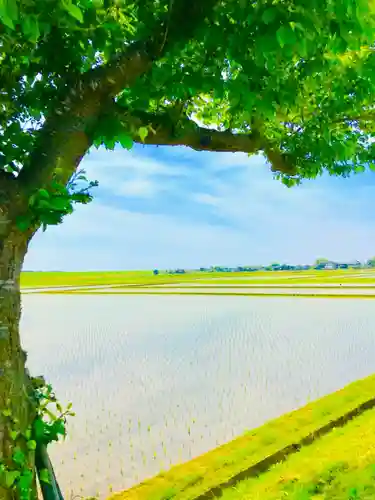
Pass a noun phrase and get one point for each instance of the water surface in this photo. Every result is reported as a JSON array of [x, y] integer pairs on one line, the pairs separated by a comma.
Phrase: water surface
[[159, 379]]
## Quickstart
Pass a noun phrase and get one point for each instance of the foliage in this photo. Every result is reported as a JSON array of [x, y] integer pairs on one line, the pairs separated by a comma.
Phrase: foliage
[[321, 260], [290, 78], [47, 426], [48, 205]]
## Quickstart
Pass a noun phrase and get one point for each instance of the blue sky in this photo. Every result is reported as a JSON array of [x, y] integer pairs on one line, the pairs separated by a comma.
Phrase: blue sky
[[174, 207]]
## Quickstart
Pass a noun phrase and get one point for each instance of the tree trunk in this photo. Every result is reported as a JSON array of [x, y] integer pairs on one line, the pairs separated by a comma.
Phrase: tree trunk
[[15, 388]]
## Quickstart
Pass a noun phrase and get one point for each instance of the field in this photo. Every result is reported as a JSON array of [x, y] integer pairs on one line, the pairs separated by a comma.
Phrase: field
[[337, 465], [300, 473], [312, 277]]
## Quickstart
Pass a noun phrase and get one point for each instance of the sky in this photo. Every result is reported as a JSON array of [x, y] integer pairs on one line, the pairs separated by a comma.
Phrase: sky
[[170, 207]]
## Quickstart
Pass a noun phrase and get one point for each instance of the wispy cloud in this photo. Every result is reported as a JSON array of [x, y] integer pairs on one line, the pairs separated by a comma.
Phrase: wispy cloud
[[206, 199], [137, 187], [174, 207]]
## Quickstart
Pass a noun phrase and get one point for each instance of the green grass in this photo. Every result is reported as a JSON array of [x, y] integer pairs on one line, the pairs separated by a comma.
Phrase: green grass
[[313, 280], [189, 480], [339, 466], [41, 279]]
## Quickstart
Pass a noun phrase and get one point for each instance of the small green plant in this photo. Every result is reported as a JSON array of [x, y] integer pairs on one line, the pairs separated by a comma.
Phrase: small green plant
[[49, 425]]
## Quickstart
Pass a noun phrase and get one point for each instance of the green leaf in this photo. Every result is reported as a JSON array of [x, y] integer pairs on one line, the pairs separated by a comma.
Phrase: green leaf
[[30, 28], [143, 133], [109, 143], [14, 435], [18, 456], [125, 140], [98, 142], [10, 477], [9, 12], [6, 412], [43, 193], [31, 444], [59, 203], [285, 36], [39, 429], [24, 484], [4, 17], [269, 15], [57, 429], [27, 434], [12, 9], [73, 10], [44, 476]]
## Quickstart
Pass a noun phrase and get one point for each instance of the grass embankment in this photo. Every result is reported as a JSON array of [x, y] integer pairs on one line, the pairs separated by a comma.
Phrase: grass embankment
[[40, 279], [196, 477], [340, 466]]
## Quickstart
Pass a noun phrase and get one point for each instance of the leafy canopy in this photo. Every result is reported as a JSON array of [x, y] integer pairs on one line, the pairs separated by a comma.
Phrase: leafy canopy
[[293, 79]]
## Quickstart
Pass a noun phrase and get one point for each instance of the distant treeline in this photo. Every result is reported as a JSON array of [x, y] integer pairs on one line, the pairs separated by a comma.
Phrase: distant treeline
[[320, 264]]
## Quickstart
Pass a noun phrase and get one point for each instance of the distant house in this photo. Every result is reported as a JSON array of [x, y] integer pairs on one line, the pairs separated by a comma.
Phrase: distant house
[[329, 265]]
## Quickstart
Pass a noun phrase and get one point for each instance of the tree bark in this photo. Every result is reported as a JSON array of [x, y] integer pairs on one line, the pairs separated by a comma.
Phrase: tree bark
[[15, 388]]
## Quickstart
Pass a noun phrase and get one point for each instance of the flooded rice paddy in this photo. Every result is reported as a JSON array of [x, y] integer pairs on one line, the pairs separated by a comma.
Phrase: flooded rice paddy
[[157, 380]]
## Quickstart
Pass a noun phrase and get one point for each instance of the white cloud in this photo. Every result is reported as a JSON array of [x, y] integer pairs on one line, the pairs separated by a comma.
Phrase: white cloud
[[262, 220], [205, 199], [129, 174], [100, 237], [123, 162], [138, 187]]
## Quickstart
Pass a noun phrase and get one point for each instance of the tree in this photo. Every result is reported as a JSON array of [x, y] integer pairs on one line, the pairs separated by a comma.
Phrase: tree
[[290, 79], [321, 260], [371, 262]]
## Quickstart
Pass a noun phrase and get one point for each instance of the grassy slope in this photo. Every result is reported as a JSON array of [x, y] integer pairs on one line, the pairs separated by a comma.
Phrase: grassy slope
[[186, 481], [340, 466]]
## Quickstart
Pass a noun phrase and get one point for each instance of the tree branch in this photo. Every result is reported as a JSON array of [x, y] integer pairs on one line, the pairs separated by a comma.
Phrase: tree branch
[[63, 139], [185, 132], [182, 21]]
